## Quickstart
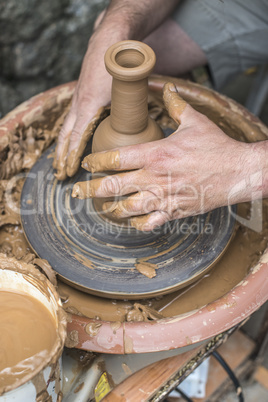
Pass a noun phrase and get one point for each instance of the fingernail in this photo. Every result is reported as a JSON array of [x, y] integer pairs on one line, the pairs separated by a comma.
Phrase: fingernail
[[76, 191], [87, 165], [82, 190]]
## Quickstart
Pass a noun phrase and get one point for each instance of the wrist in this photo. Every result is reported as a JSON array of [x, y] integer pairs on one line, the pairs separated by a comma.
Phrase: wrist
[[259, 176], [252, 179]]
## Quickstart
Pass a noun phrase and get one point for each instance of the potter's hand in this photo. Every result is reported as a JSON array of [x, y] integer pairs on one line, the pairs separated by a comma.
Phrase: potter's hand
[[86, 112], [92, 93], [123, 19], [195, 170]]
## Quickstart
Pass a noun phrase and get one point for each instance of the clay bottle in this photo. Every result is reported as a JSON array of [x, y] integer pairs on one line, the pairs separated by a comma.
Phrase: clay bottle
[[129, 63]]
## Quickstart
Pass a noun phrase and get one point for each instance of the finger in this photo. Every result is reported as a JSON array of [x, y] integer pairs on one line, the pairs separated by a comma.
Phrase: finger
[[61, 161], [126, 158], [102, 161], [137, 204], [61, 153], [110, 186], [81, 133], [174, 104], [149, 222]]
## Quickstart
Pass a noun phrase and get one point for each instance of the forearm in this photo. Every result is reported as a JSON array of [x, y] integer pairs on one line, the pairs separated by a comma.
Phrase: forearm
[[137, 19], [124, 19]]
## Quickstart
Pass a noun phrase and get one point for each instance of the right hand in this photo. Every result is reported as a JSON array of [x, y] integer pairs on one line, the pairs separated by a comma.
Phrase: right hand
[[196, 169]]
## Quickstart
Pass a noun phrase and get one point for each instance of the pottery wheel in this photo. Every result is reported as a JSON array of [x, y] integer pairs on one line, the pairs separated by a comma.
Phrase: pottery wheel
[[99, 257]]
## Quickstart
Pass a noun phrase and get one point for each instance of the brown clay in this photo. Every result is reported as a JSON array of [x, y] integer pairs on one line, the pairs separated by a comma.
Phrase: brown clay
[[28, 333], [130, 63], [93, 164], [13, 242], [146, 269], [67, 165], [32, 336], [242, 253], [173, 102]]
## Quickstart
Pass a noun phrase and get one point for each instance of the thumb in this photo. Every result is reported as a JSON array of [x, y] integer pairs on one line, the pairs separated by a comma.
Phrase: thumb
[[176, 106]]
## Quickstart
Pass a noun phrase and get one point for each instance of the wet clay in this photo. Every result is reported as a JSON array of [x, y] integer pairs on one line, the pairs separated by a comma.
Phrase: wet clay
[[173, 102], [10, 191], [20, 150], [242, 253], [32, 337], [28, 333], [129, 63], [109, 160], [68, 165], [13, 242], [146, 269]]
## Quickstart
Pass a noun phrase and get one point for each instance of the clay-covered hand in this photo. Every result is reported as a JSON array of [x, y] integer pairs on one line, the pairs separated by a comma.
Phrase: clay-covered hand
[[123, 19], [86, 112], [92, 94], [196, 169]]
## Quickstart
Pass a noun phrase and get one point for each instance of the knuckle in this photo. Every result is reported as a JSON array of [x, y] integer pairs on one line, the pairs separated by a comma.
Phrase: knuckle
[[111, 185], [75, 136], [63, 134], [151, 204], [165, 206], [160, 154]]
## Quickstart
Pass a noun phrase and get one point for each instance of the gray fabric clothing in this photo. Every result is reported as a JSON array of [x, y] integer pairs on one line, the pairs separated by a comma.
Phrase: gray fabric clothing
[[232, 33]]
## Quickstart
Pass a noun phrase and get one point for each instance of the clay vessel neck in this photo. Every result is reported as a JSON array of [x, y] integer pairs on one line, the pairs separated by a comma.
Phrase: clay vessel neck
[[129, 62], [129, 108]]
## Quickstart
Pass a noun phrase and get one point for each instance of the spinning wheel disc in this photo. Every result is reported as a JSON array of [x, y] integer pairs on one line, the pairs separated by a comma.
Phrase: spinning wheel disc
[[99, 257]]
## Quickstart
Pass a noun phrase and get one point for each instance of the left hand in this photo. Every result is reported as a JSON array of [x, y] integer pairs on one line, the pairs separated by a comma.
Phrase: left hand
[[191, 172]]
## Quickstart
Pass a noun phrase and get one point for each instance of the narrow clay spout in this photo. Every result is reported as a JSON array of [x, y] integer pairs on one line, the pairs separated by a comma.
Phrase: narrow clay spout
[[129, 63]]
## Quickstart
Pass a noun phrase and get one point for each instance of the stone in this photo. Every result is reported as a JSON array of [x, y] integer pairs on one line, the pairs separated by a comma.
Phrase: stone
[[25, 19], [8, 97], [42, 44]]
